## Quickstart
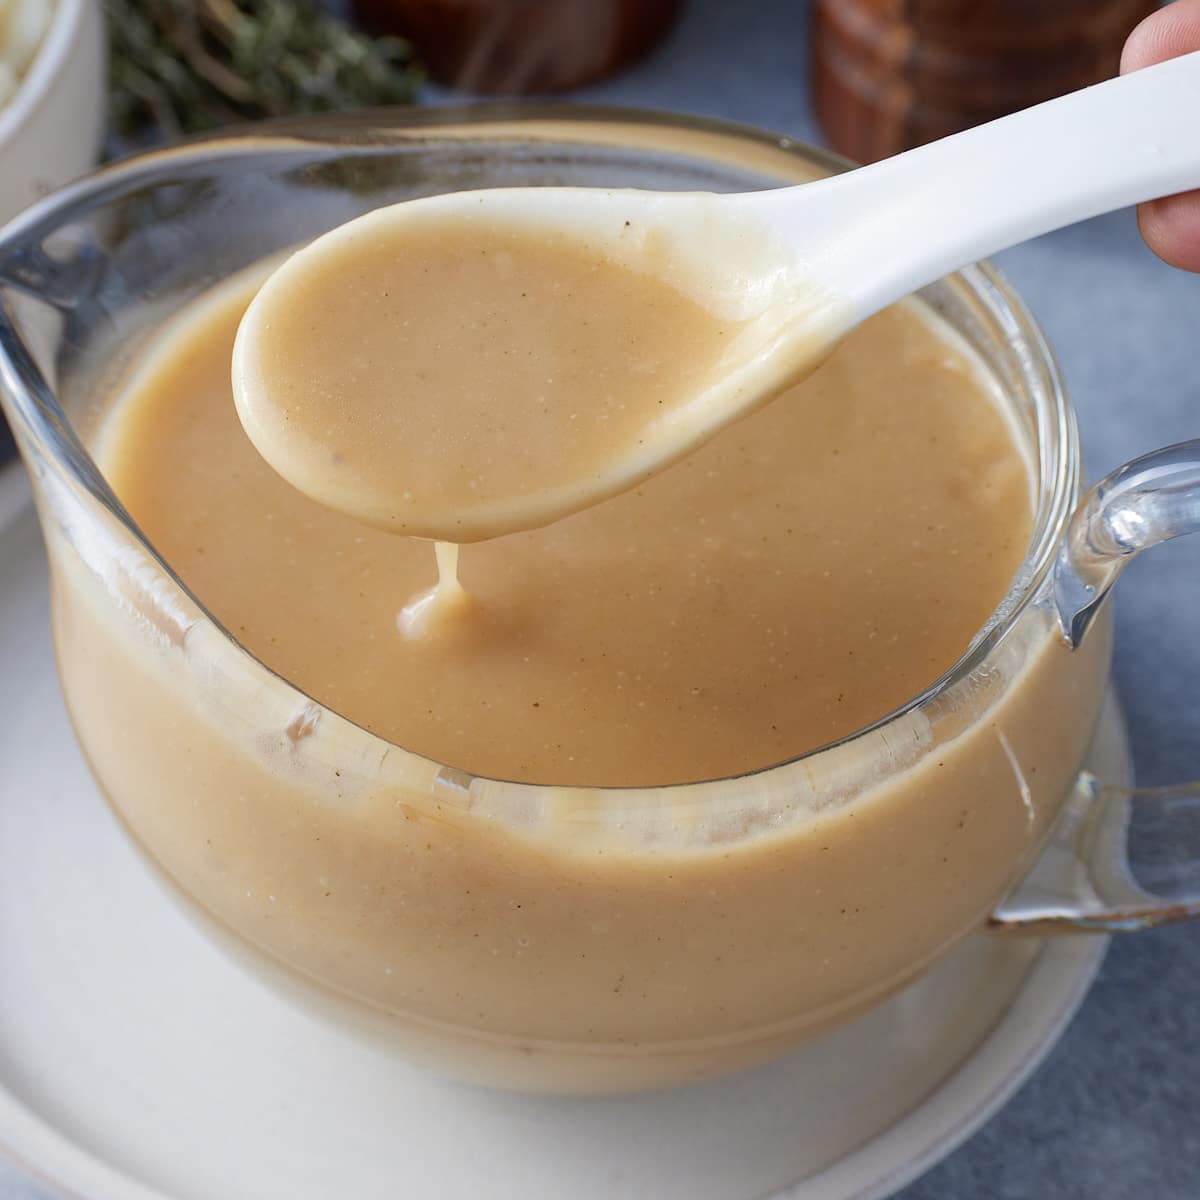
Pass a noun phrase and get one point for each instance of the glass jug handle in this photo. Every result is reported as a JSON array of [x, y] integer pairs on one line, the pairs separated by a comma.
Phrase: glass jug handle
[[1120, 858]]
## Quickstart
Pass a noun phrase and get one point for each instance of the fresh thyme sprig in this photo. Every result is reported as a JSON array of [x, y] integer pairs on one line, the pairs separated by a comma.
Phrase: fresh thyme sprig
[[184, 66]]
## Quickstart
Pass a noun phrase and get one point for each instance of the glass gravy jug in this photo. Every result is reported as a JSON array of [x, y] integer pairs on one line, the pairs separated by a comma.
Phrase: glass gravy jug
[[541, 937]]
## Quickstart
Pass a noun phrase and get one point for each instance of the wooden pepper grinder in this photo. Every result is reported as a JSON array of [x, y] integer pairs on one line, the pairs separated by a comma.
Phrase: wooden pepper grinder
[[888, 75], [515, 47]]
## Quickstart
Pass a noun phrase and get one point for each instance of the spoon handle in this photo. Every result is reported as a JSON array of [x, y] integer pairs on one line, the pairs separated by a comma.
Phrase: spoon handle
[[936, 208]]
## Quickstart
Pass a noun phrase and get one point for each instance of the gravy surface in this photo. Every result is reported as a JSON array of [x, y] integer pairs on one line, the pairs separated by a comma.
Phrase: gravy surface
[[812, 568]]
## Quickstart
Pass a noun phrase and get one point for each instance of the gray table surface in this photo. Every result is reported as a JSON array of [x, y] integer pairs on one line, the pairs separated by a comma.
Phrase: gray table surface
[[1114, 1114]]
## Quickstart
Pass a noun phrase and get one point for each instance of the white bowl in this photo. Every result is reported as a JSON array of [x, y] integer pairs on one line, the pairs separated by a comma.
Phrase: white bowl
[[50, 130]]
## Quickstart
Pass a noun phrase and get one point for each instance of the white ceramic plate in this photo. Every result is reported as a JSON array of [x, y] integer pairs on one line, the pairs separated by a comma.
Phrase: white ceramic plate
[[137, 1063]]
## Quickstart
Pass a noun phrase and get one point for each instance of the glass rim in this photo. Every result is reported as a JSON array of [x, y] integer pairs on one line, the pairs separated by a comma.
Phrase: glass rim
[[1055, 430]]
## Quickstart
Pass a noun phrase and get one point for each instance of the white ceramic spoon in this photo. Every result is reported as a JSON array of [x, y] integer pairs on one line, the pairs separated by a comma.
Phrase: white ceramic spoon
[[796, 268]]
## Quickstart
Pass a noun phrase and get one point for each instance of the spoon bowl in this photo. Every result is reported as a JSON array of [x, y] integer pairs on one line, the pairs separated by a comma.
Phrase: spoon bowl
[[714, 256]]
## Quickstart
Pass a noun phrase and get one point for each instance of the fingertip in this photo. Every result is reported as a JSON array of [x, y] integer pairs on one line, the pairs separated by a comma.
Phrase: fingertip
[[1171, 228], [1138, 49], [1167, 33]]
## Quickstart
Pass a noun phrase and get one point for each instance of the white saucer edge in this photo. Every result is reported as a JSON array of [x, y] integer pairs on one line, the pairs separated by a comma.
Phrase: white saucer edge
[[1059, 982]]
